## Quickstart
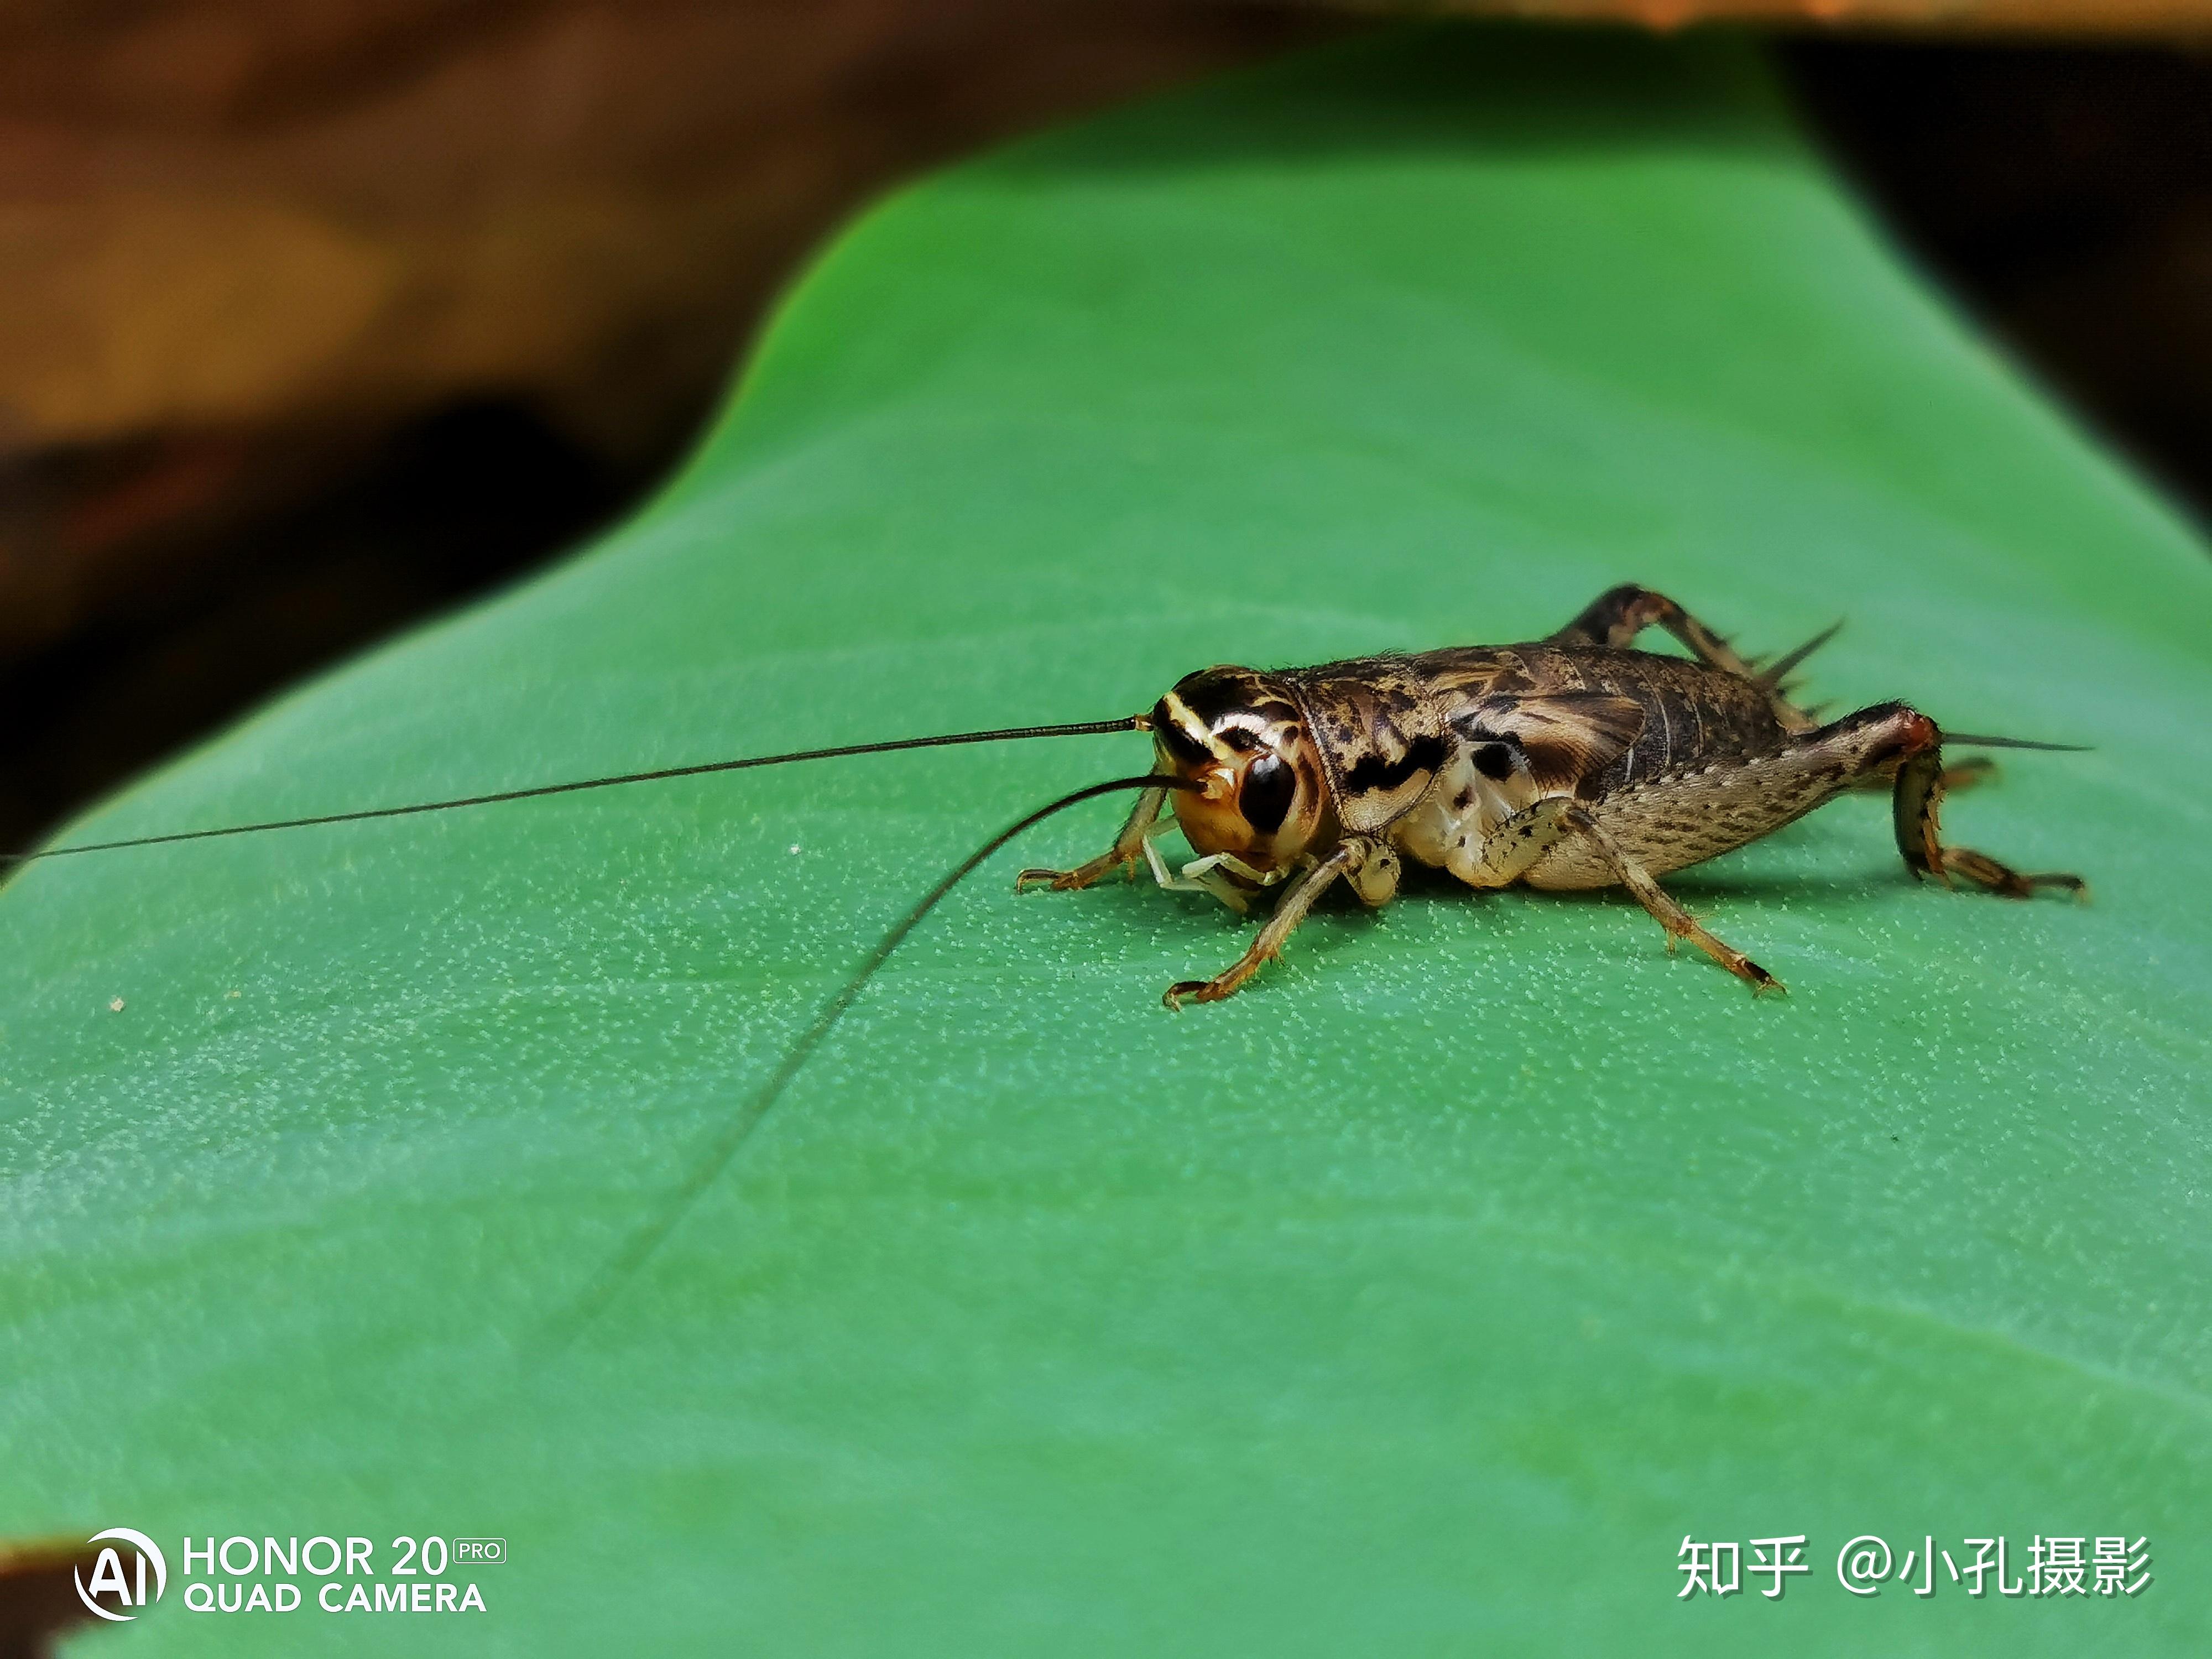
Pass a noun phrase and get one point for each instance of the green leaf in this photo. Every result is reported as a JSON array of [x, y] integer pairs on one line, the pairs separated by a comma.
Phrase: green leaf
[[1420, 1299]]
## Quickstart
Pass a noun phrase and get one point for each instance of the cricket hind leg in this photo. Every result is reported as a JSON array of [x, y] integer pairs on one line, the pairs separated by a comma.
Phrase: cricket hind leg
[[1915, 804], [1664, 908], [1969, 772], [1289, 911], [1616, 617], [1125, 853]]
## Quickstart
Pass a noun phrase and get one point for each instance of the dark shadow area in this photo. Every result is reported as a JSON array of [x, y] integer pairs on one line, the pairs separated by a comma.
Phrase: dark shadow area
[[1498, 89], [2064, 194], [447, 508]]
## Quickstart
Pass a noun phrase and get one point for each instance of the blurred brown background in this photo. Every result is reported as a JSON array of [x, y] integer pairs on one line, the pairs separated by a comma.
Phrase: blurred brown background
[[324, 314]]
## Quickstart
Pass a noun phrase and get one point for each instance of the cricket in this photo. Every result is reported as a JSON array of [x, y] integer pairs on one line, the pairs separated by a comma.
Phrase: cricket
[[1572, 762]]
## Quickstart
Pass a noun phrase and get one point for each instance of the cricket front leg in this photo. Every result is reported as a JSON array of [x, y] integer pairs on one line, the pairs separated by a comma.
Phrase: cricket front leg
[[1665, 910], [1914, 809], [1289, 911], [1125, 853]]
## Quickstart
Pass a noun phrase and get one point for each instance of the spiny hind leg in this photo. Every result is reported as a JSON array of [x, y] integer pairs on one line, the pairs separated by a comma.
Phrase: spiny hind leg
[[1678, 923], [1914, 808], [1289, 913], [1618, 616], [1888, 744], [1971, 772], [1125, 853]]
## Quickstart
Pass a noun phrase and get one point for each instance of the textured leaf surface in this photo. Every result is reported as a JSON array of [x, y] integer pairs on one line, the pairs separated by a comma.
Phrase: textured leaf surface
[[1419, 1300]]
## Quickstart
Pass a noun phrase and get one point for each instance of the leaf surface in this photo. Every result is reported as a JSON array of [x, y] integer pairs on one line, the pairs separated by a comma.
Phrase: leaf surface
[[1421, 1298]]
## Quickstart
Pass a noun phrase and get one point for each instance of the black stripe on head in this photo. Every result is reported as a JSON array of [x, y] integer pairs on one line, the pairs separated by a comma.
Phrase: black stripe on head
[[1176, 736], [1213, 693]]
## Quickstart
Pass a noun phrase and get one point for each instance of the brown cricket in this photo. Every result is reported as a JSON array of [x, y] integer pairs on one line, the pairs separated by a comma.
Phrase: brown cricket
[[1575, 761], [1571, 761]]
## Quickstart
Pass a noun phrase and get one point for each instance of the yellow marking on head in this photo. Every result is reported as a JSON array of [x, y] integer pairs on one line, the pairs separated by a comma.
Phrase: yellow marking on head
[[1197, 730]]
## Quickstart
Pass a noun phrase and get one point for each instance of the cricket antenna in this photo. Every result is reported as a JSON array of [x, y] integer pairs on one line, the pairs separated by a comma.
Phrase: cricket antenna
[[1079, 729], [733, 1135]]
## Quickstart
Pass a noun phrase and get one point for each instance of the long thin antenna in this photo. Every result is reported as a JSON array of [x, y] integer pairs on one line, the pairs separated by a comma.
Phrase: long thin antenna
[[1083, 728], [724, 1146]]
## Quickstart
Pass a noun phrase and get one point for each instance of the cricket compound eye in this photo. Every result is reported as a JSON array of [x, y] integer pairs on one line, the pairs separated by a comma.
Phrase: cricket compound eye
[[1269, 786]]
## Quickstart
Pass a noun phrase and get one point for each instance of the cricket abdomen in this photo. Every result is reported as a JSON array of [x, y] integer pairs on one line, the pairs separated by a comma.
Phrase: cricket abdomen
[[1670, 820], [1693, 716]]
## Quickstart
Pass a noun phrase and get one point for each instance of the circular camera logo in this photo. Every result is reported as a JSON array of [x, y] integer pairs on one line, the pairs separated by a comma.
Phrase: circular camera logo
[[108, 1578]]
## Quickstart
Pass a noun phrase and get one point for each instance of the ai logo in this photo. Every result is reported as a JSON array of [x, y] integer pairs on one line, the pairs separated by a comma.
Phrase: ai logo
[[108, 1578]]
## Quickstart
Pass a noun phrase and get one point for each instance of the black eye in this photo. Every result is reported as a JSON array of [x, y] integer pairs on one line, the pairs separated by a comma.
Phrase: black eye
[[1264, 799]]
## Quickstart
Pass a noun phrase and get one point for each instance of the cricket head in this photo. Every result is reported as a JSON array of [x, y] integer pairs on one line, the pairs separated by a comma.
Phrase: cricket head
[[1262, 799]]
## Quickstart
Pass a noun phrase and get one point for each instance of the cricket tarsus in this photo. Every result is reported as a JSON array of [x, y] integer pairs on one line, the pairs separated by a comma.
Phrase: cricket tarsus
[[1079, 729], [634, 1254]]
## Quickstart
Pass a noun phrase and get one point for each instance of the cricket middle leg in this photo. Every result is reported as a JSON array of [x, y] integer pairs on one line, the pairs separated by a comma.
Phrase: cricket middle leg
[[1665, 909]]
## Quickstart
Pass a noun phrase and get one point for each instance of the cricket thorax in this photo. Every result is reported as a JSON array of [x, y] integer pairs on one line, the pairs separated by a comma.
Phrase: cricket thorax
[[1264, 808]]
